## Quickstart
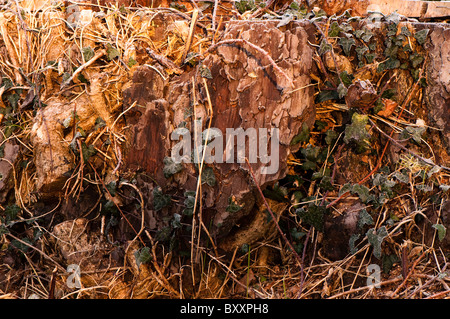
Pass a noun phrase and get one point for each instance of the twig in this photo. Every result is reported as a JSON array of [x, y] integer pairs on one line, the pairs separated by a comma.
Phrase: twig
[[216, 3], [38, 250], [302, 272], [165, 62], [409, 274], [439, 294], [10, 48], [188, 44], [429, 282], [383, 283], [142, 204], [268, 4], [51, 293], [425, 160], [98, 55], [118, 208], [332, 51]]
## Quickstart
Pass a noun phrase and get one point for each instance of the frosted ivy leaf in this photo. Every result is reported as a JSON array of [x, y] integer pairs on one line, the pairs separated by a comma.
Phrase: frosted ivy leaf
[[375, 238]]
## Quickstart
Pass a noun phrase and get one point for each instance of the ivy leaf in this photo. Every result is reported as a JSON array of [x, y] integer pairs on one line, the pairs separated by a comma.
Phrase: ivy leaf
[[87, 151], [112, 188], [163, 234], [345, 188], [99, 123], [311, 152], [389, 261], [342, 90], [21, 246], [7, 83], [351, 243], [88, 53], [142, 256], [324, 47], [296, 234], [277, 193], [11, 212], [360, 51], [109, 208], [346, 27], [362, 191], [330, 137], [346, 44], [245, 5], [189, 202], [405, 31], [294, 6], [364, 219], [367, 36], [313, 215], [370, 57], [325, 184], [68, 121], [327, 95], [176, 221], [303, 136], [392, 63], [414, 132], [357, 130], [375, 238], [111, 52], [233, 206], [346, 78], [208, 176], [334, 30], [285, 19], [402, 178], [441, 231], [170, 167], [308, 165], [421, 36], [131, 62], [205, 72], [416, 59], [3, 230], [358, 33], [13, 99], [160, 200]]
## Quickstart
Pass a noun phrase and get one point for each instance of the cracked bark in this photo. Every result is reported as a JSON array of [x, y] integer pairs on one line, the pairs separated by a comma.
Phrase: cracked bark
[[245, 93]]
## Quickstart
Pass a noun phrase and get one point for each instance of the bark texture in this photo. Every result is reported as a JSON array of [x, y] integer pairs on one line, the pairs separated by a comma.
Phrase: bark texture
[[438, 78], [245, 92]]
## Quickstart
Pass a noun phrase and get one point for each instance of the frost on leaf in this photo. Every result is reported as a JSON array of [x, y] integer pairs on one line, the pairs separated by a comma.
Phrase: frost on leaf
[[375, 239]]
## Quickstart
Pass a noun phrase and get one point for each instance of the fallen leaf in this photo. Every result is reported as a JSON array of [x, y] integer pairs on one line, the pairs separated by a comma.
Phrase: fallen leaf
[[389, 107], [361, 94], [342, 62]]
